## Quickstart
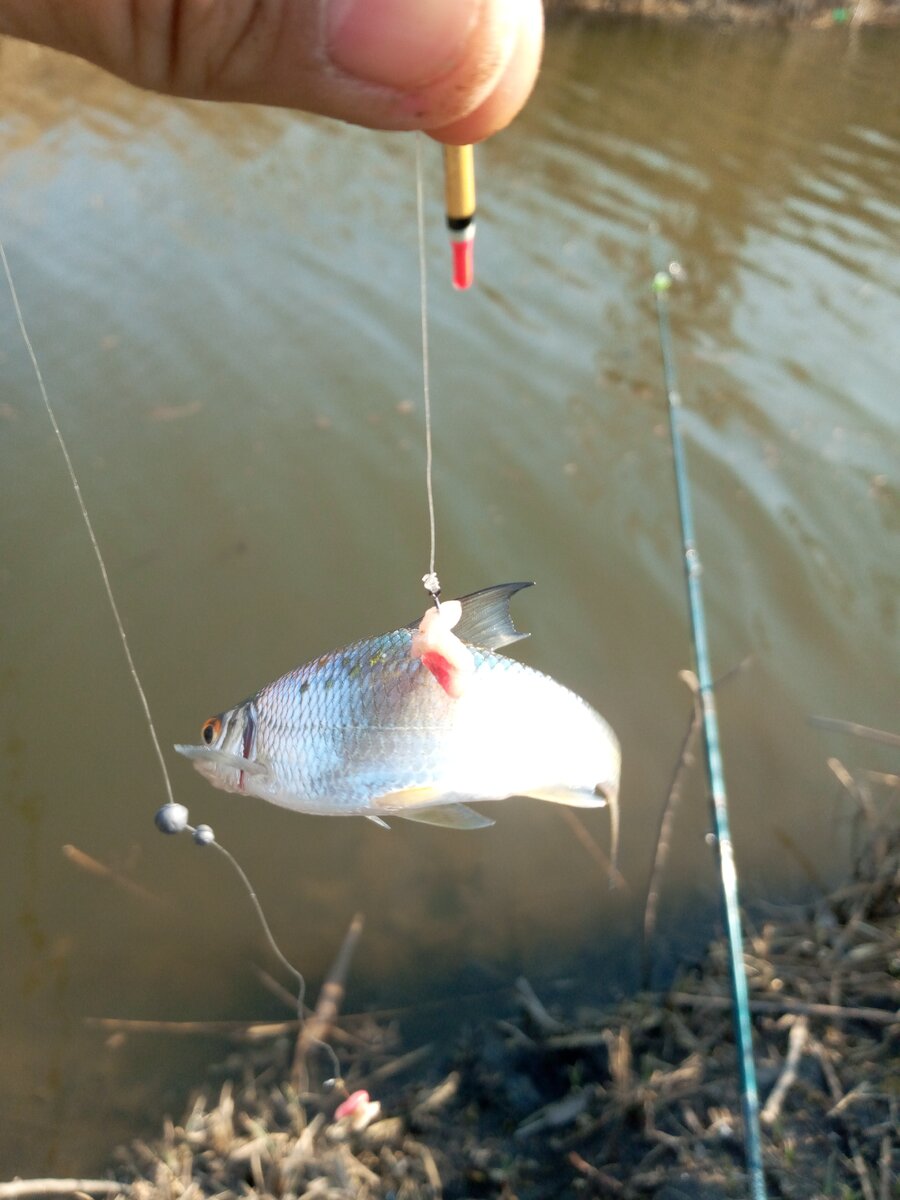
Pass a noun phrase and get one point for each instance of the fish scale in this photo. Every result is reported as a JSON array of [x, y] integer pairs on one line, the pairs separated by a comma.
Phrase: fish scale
[[367, 730]]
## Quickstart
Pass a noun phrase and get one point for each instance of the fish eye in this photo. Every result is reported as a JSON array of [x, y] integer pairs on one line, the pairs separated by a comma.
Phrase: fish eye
[[211, 730]]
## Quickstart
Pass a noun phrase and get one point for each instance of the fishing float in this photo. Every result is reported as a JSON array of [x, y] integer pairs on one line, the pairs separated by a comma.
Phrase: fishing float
[[459, 203]]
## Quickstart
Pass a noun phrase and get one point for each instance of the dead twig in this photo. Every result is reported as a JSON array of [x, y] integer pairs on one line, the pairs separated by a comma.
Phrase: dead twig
[[396, 1066], [581, 1039], [287, 998], [93, 866], [589, 842], [885, 777], [667, 823], [430, 1167], [859, 794], [601, 1178], [797, 1040], [239, 1030], [290, 1000], [837, 1094], [861, 1092], [837, 1012], [863, 731], [20, 1188], [673, 798], [884, 1189], [439, 1097], [551, 1116], [316, 1028], [527, 997], [621, 1061]]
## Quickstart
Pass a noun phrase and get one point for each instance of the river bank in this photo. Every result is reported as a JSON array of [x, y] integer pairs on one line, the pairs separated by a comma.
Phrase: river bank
[[793, 13], [637, 1101]]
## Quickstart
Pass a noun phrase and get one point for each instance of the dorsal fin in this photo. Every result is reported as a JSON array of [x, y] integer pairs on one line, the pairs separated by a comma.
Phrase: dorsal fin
[[485, 619]]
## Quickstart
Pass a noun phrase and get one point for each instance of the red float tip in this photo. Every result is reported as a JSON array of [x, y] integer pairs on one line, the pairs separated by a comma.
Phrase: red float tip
[[463, 263]]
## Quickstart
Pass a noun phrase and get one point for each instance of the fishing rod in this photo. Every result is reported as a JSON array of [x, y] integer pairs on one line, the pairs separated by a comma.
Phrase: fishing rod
[[662, 282]]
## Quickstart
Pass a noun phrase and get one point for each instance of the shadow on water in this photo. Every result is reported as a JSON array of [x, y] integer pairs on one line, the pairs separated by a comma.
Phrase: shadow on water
[[224, 304]]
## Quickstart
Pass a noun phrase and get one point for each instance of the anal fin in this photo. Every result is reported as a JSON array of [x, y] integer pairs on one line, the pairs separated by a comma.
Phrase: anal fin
[[417, 804], [411, 797], [449, 816]]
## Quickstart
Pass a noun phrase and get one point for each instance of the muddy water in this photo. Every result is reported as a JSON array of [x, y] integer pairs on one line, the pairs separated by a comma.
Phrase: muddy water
[[224, 304]]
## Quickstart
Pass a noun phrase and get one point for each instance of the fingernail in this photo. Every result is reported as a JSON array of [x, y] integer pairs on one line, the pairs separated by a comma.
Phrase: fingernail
[[398, 43]]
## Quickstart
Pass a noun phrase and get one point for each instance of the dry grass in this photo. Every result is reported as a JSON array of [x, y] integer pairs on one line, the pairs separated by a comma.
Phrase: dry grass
[[640, 1100]]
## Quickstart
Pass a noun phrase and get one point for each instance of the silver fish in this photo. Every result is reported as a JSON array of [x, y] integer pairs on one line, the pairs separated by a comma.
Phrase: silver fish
[[368, 731]]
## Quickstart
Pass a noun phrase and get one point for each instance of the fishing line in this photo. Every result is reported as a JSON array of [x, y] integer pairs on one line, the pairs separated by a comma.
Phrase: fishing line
[[172, 817], [90, 528], [430, 580]]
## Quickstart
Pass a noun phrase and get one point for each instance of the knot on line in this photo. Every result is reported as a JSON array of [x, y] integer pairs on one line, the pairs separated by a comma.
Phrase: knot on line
[[432, 585]]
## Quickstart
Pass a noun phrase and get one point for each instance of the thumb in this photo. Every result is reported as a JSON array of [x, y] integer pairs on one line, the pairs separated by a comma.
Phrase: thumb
[[463, 67]]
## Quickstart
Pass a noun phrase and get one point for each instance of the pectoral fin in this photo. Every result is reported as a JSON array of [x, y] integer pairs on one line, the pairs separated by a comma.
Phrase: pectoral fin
[[380, 821], [205, 754], [449, 816]]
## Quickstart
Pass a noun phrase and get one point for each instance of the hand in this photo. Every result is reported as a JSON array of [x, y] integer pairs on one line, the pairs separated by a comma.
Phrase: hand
[[459, 69]]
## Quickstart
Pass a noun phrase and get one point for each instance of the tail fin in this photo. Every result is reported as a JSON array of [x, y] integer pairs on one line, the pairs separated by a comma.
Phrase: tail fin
[[611, 794]]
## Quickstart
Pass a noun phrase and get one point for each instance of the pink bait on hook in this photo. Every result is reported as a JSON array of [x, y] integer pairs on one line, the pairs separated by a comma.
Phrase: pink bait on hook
[[357, 1111], [355, 1103], [448, 659]]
